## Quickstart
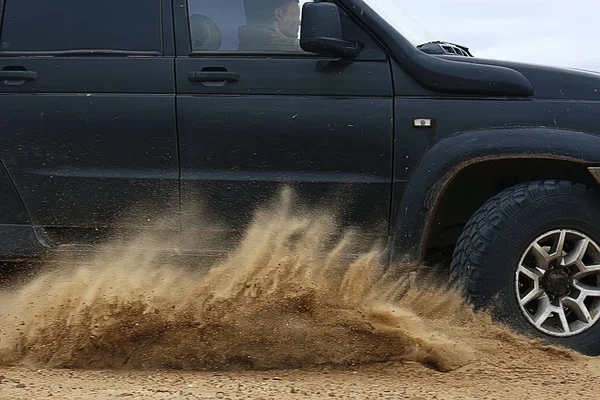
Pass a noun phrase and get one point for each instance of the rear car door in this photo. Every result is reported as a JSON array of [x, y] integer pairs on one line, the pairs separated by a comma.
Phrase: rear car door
[[252, 120], [87, 113]]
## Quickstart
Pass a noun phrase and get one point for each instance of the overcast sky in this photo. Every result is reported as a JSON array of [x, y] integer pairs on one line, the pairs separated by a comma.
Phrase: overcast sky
[[555, 32]]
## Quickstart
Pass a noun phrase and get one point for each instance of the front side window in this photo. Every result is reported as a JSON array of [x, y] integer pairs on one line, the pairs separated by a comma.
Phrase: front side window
[[266, 26], [260, 26], [42, 26]]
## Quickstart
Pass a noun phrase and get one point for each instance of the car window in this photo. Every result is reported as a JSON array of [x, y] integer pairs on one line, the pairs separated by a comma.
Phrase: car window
[[271, 26], [1, 13], [258, 26], [78, 25]]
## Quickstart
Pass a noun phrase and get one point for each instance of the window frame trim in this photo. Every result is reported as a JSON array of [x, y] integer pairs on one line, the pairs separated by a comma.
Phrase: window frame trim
[[188, 51], [90, 52]]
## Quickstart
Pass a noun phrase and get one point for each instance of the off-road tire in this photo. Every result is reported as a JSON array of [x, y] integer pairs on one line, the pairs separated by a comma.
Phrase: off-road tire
[[490, 247]]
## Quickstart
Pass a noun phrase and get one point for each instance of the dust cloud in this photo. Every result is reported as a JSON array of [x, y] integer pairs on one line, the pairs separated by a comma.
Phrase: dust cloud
[[287, 296]]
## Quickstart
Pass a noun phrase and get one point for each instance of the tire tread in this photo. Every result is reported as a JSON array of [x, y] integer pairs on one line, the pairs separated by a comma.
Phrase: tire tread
[[475, 243]]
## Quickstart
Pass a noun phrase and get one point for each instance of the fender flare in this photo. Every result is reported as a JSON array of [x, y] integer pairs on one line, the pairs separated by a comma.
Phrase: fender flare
[[446, 158]]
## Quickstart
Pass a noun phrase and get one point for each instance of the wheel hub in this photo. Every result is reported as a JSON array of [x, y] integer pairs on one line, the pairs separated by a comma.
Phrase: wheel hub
[[557, 282]]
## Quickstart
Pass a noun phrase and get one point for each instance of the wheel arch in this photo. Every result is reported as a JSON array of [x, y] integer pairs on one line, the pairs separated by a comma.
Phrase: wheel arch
[[456, 202], [573, 155]]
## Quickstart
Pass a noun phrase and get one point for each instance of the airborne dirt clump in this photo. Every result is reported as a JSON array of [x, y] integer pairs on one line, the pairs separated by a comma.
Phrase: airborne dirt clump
[[286, 297]]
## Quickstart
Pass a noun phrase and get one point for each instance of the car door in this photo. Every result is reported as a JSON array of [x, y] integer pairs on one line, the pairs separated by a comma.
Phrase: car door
[[253, 121], [87, 114]]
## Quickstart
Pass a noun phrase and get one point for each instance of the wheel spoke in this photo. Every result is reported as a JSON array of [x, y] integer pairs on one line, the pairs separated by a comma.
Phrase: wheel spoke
[[531, 273], [576, 255], [541, 256], [532, 295], [586, 290], [544, 310], [585, 270], [583, 314], [560, 244], [563, 318]]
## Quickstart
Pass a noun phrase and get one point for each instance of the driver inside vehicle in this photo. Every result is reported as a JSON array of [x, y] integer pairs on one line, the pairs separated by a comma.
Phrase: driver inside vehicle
[[272, 25]]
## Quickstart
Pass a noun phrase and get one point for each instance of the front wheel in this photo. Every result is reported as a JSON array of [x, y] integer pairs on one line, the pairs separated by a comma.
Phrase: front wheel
[[532, 253]]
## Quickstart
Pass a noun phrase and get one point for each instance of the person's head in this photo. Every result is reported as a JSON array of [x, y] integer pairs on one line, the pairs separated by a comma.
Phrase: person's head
[[205, 33], [282, 15]]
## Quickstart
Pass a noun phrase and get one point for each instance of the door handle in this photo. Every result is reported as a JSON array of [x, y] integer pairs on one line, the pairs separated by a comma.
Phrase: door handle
[[18, 75], [213, 76]]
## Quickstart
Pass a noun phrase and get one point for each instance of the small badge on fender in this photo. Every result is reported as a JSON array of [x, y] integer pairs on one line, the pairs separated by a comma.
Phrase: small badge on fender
[[422, 122]]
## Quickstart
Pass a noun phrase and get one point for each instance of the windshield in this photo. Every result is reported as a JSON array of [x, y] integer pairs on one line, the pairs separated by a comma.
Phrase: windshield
[[391, 11]]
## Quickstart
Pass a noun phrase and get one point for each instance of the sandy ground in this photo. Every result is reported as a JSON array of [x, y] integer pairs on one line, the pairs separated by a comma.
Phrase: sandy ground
[[480, 380], [273, 320]]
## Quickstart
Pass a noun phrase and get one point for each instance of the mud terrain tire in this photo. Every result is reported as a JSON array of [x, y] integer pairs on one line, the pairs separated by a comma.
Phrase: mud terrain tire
[[491, 249]]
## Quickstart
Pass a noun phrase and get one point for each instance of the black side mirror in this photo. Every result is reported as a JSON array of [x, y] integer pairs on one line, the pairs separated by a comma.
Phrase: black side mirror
[[321, 32]]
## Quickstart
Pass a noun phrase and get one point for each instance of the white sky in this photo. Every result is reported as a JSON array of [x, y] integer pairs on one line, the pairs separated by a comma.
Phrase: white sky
[[554, 32]]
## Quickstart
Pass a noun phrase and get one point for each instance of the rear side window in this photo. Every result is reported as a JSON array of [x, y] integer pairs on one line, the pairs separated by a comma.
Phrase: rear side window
[[81, 25], [1, 13]]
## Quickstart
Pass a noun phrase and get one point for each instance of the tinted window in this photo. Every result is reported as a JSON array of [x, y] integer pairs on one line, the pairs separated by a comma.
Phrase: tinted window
[[251, 26], [1, 13], [271, 26], [63, 25]]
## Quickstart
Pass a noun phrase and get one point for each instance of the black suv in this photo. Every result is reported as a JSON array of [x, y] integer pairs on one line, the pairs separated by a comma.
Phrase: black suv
[[113, 105]]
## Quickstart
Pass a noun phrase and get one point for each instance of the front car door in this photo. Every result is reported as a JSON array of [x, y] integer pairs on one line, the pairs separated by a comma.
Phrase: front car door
[[87, 114], [253, 118]]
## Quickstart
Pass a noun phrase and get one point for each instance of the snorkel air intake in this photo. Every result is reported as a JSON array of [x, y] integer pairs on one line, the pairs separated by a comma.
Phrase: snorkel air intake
[[445, 48]]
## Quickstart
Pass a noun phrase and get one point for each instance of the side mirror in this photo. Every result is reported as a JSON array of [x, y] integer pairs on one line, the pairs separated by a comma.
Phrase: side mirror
[[321, 32]]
